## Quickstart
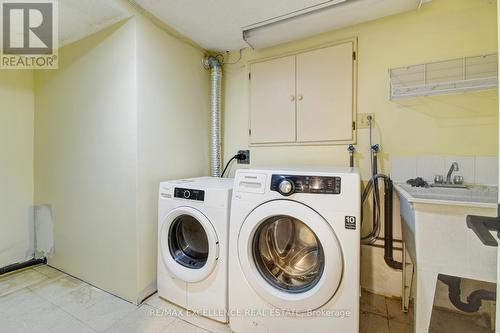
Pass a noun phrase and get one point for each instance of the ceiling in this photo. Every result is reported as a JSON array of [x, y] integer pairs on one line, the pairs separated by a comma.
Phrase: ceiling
[[216, 24], [80, 18]]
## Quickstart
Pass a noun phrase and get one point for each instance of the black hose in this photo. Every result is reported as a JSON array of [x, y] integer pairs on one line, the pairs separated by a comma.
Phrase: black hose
[[372, 236], [373, 183], [376, 192], [474, 300], [21, 265], [388, 222], [388, 232]]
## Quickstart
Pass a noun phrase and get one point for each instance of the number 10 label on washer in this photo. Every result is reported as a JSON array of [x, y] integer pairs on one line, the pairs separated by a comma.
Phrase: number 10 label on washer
[[350, 222]]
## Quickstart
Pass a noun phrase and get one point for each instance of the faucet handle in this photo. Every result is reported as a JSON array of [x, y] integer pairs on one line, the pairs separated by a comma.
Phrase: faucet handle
[[458, 180], [438, 179]]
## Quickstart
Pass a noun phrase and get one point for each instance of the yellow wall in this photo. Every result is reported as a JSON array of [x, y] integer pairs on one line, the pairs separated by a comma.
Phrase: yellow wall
[[85, 158], [127, 109], [172, 88], [440, 30], [16, 166], [464, 124]]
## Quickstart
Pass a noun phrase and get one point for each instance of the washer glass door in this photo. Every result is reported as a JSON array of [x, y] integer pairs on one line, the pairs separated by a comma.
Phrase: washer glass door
[[290, 256]]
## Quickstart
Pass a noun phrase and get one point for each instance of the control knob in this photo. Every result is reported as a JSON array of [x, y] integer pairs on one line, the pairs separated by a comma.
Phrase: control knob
[[286, 187]]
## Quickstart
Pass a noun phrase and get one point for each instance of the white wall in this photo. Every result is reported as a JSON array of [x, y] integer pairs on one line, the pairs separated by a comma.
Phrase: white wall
[[172, 108], [85, 157], [16, 165]]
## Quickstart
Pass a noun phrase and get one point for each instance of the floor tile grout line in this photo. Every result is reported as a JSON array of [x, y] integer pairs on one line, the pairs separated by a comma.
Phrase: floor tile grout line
[[180, 318], [95, 330], [26, 286], [84, 284], [68, 313], [48, 278], [187, 322], [387, 315], [94, 286], [47, 300]]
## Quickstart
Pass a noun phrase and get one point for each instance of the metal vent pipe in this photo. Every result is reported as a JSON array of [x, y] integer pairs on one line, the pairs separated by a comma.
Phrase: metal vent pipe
[[215, 67]]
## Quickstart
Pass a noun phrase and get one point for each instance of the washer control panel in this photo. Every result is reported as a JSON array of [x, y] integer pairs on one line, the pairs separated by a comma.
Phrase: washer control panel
[[190, 194], [288, 184]]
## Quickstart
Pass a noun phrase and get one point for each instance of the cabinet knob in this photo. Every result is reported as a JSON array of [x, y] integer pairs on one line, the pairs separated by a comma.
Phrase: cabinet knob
[[300, 97], [292, 98]]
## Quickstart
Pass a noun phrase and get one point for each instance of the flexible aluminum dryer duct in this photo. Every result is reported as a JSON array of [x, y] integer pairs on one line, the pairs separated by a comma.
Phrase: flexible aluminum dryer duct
[[215, 67]]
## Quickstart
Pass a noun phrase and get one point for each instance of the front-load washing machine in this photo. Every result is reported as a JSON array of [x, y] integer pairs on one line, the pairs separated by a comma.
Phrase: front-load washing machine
[[295, 251], [193, 231]]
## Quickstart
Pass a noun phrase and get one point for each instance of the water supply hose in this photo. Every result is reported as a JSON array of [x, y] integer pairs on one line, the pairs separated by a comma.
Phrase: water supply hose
[[351, 149], [373, 184]]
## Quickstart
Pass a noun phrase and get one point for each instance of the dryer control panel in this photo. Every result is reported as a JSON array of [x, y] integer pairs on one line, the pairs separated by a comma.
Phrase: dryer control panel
[[190, 194], [290, 184]]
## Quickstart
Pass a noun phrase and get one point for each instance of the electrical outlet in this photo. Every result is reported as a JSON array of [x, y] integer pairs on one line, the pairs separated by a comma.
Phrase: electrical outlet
[[247, 154], [363, 121]]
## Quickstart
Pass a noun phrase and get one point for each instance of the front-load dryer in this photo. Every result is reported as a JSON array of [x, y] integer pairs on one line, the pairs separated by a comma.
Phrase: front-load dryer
[[295, 251], [193, 231]]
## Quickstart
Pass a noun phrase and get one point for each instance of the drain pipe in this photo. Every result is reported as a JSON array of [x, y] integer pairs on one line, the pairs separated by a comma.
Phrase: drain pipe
[[474, 300], [388, 232], [215, 67], [21, 265]]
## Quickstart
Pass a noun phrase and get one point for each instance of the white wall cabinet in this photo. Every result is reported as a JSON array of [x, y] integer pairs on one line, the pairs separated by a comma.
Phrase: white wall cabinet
[[304, 98], [273, 100]]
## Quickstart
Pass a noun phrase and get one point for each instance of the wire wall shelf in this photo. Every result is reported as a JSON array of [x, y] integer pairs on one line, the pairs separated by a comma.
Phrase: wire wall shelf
[[445, 77]]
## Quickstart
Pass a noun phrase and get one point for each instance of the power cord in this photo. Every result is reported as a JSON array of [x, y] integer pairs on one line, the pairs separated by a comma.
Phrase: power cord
[[239, 157]]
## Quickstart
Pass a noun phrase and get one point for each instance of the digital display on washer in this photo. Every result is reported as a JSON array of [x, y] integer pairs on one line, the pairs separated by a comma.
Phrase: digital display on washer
[[306, 184], [190, 194]]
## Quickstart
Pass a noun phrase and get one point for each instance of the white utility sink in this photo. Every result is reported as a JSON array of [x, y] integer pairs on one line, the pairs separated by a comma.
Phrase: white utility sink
[[476, 196], [438, 240]]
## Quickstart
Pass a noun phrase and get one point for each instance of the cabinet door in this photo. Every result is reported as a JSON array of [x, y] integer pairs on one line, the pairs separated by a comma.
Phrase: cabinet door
[[325, 94], [272, 101]]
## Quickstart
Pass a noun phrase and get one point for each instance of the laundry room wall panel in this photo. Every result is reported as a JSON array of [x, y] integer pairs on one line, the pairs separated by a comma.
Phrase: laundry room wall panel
[[441, 29], [16, 165], [127, 108], [173, 110], [85, 157]]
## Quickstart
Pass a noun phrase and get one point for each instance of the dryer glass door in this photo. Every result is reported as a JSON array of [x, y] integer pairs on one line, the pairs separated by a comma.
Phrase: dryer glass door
[[188, 242], [189, 246]]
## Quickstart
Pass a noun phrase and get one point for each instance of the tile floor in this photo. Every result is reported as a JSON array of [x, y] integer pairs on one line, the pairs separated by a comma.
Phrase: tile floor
[[43, 299], [383, 315]]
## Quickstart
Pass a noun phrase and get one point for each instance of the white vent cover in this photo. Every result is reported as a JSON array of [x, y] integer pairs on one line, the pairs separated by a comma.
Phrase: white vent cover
[[445, 77]]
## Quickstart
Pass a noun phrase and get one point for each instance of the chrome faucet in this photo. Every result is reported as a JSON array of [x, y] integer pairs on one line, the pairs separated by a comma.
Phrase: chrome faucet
[[454, 167]]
